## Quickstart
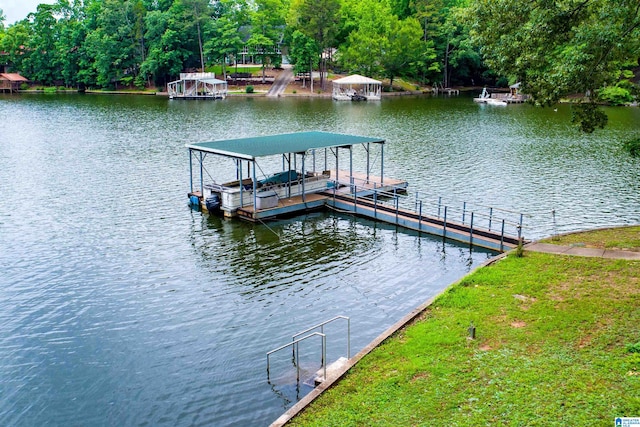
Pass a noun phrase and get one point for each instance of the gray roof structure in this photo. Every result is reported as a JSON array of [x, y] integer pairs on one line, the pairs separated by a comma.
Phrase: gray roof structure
[[262, 146]]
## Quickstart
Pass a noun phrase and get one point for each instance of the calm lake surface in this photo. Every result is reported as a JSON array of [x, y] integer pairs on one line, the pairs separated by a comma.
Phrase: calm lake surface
[[119, 305]]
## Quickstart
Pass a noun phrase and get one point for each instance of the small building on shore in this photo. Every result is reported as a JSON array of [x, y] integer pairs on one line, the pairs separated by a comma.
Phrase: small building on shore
[[197, 86], [10, 82]]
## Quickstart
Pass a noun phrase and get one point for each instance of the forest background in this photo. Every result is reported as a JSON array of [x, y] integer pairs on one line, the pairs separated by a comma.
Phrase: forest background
[[554, 47]]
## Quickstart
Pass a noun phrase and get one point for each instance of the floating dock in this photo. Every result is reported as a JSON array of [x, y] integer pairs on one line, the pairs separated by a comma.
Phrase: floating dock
[[300, 187]]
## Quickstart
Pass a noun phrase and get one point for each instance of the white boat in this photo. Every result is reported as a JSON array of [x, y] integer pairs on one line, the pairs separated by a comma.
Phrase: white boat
[[497, 102]]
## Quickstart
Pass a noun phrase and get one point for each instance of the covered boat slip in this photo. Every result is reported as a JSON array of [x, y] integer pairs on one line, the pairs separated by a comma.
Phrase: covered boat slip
[[310, 165], [197, 86], [357, 88]]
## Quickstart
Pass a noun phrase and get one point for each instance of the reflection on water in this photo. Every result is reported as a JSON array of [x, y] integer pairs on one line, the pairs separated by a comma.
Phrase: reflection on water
[[121, 306]]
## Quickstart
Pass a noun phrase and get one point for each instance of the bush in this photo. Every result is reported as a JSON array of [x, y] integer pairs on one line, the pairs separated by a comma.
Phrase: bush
[[50, 89], [24, 86], [633, 147], [249, 89], [616, 95], [634, 348]]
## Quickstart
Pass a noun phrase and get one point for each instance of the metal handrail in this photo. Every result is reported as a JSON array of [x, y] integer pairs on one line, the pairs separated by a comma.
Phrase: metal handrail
[[321, 326], [395, 199], [297, 357]]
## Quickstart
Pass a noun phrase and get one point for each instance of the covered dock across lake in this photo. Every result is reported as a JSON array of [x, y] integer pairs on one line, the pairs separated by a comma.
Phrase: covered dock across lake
[[356, 88], [197, 86]]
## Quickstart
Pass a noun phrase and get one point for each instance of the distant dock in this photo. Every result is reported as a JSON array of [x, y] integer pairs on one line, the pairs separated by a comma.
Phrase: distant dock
[[300, 187]]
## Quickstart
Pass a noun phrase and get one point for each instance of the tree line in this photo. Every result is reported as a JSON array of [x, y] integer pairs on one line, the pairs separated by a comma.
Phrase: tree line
[[105, 43], [554, 47]]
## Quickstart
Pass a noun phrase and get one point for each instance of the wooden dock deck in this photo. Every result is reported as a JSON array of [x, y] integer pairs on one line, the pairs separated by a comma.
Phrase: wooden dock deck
[[286, 206], [366, 185]]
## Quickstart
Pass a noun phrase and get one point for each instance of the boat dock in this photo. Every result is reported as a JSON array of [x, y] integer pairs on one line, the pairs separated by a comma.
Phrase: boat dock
[[300, 187]]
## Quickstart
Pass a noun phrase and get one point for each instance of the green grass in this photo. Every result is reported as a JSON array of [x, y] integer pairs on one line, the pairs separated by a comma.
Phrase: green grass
[[552, 348], [610, 238]]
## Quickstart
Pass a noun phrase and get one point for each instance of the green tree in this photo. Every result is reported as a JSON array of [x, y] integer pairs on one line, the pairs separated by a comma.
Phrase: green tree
[[405, 52], [71, 35], [556, 48], [318, 20], [114, 44], [40, 63], [267, 24], [16, 41], [303, 54], [224, 40], [365, 45], [167, 54]]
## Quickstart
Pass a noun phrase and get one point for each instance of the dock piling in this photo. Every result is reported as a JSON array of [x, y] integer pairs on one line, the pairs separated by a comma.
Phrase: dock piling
[[444, 224], [471, 230], [490, 217]]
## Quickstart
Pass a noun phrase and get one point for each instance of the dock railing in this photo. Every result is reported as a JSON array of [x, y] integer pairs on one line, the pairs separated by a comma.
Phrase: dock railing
[[475, 216]]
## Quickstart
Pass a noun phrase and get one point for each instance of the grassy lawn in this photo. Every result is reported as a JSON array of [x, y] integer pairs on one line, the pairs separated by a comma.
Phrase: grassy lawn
[[610, 238], [555, 345]]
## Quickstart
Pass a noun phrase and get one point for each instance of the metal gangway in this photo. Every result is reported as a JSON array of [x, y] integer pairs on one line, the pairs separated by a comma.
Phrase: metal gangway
[[494, 228]]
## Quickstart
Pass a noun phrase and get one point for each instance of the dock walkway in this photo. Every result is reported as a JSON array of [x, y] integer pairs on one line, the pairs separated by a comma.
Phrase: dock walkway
[[550, 248], [414, 220]]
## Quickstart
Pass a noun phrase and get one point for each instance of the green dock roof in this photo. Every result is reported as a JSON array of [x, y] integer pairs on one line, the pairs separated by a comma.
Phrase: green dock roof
[[261, 146]]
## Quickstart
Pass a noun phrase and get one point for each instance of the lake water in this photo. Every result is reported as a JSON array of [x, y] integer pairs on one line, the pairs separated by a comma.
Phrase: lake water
[[119, 305]]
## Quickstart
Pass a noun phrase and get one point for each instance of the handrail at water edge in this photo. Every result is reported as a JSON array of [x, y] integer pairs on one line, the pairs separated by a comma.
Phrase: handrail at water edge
[[321, 326], [297, 353]]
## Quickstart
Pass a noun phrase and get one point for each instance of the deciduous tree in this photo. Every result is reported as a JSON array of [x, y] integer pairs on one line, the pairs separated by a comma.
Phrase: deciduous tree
[[561, 47]]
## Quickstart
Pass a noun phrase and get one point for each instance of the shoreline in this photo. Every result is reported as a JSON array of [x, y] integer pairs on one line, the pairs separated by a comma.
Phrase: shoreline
[[405, 321]]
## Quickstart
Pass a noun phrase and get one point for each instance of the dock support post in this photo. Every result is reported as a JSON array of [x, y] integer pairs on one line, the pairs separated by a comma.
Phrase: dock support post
[[490, 217], [368, 167], [354, 188], [255, 187], [444, 224], [325, 159], [381, 163], [520, 227], [201, 176], [351, 168], [191, 169], [502, 237], [337, 167], [239, 174], [288, 175], [303, 178], [375, 201], [420, 218], [395, 196], [471, 231]]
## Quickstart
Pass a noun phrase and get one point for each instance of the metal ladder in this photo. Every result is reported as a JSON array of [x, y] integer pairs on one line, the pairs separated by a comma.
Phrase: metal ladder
[[295, 341]]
